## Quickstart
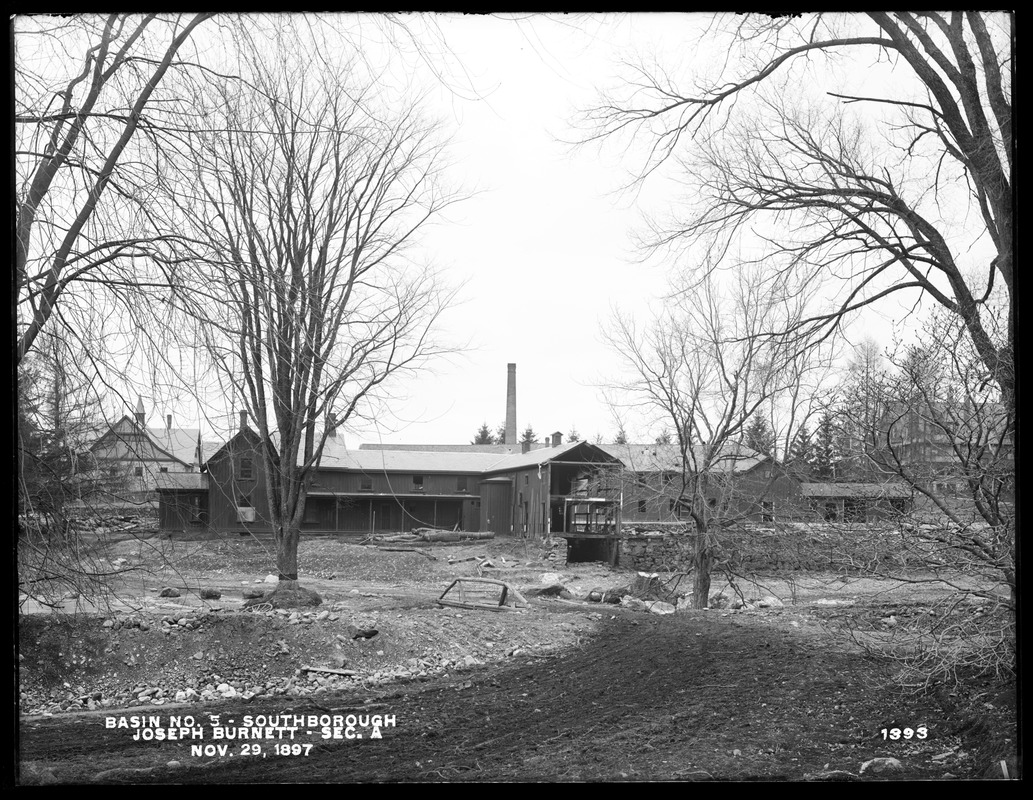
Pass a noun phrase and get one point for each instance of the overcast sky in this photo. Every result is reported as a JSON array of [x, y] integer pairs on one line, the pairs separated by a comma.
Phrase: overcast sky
[[544, 250]]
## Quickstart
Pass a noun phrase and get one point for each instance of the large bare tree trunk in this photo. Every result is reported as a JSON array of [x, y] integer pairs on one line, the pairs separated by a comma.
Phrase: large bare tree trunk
[[702, 562], [287, 557]]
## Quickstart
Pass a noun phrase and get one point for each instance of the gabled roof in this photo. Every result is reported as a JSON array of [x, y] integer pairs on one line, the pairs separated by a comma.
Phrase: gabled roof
[[339, 457], [336, 456], [179, 444], [451, 448], [894, 490], [534, 458], [733, 457], [182, 481]]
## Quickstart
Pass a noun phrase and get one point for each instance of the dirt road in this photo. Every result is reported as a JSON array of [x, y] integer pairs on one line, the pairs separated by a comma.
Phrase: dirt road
[[689, 696]]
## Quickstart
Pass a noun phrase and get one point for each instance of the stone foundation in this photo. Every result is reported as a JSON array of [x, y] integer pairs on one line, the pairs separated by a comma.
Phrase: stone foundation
[[668, 547]]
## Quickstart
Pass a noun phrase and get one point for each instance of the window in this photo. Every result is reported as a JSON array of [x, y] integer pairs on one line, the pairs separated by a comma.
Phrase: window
[[247, 469], [313, 509], [854, 510], [138, 472], [767, 511], [163, 469], [641, 506], [194, 514], [461, 484], [526, 478], [245, 511], [366, 483], [417, 483]]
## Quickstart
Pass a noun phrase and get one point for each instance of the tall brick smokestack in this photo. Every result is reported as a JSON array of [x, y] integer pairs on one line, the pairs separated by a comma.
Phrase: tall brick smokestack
[[511, 431]]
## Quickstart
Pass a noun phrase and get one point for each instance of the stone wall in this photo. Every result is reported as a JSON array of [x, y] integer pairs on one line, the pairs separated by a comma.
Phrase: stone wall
[[756, 549]]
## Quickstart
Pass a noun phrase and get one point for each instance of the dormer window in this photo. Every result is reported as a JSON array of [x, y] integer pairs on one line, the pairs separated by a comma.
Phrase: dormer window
[[246, 471]]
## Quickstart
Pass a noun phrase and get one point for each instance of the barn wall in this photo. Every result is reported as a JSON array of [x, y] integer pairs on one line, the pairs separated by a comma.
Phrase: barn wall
[[496, 507], [651, 497], [226, 486], [400, 483], [529, 502], [185, 510]]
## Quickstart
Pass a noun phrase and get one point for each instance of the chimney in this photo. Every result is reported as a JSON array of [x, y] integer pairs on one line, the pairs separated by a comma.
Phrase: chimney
[[331, 423], [511, 425], [557, 439], [243, 420], [139, 411], [168, 422], [525, 446]]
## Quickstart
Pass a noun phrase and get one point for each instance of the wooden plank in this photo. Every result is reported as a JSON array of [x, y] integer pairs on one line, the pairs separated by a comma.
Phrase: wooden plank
[[329, 671]]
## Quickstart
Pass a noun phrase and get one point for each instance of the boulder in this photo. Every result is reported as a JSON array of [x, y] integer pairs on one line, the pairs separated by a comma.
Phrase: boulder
[[552, 590], [770, 601], [169, 591], [879, 766], [634, 603], [719, 600], [660, 607]]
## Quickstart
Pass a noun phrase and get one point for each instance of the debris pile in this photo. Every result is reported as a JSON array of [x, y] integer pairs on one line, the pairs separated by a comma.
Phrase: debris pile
[[430, 535]]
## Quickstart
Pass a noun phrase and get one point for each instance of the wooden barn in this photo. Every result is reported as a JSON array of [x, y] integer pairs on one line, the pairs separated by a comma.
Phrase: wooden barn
[[745, 484], [357, 492]]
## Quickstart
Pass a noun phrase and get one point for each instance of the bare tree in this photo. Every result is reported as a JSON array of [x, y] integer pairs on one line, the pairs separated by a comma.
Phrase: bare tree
[[79, 174], [59, 416], [852, 207], [304, 194], [703, 370], [945, 433]]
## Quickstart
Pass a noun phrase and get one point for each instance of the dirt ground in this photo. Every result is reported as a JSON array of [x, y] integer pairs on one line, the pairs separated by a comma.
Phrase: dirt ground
[[562, 690]]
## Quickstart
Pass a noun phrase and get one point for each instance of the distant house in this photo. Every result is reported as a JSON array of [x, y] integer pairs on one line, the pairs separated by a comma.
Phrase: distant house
[[858, 502], [132, 456], [939, 445], [743, 483], [505, 489]]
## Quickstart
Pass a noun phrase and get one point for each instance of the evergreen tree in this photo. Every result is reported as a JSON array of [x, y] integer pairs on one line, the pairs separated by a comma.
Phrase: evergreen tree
[[826, 451], [664, 437], [621, 438], [484, 435], [500, 434], [573, 436], [759, 436], [528, 436], [801, 451]]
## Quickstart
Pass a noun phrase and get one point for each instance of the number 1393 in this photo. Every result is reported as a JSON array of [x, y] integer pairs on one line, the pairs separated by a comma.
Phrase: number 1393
[[920, 732]]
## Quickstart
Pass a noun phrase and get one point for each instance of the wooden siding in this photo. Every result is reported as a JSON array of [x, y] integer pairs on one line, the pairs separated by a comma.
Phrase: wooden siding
[[529, 509], [226, 487], [652, 496], [497, 506], [396, 483], [183, 510]]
